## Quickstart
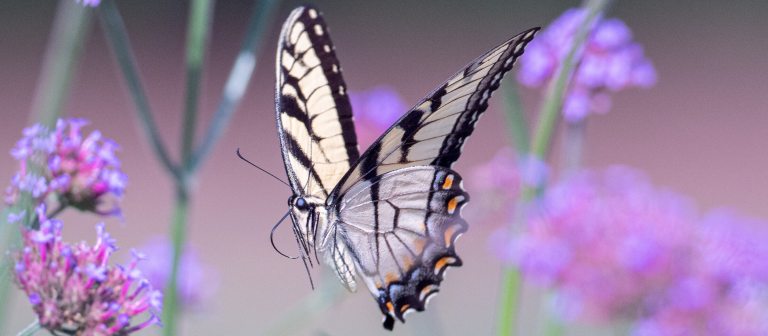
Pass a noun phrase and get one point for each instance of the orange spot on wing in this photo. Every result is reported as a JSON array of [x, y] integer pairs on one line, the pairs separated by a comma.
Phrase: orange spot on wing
[[390, 307], [452, 204], [390, 277], [418, 245], [404, 308], [448, 183], [407, 262], [442, 262], [449, 235]]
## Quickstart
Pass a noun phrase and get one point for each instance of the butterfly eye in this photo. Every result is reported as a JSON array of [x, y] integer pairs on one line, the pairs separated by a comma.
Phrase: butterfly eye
[[301, 204]]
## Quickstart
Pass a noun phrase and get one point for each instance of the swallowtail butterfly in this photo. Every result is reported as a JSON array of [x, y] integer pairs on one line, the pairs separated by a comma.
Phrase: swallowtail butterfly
[[389, 217]]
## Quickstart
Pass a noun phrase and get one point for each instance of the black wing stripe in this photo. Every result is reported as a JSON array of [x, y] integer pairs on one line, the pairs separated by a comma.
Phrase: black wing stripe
[[449, 112], [313, 111]]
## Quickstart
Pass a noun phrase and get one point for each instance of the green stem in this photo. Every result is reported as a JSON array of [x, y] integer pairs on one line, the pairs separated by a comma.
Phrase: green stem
[[239, 77], [516, 121], [30, 330], [200, 16], [117, 37], [540, 147], [178, 236], [65, 45]]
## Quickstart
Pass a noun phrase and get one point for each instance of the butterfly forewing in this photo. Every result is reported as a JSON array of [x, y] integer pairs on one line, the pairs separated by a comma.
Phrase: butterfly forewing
[[314, 116], [433, 132]]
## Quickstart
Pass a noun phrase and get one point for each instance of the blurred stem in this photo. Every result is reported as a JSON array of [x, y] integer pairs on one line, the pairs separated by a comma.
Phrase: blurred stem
[[65, 45], [540, 146], [516, 121], [178, 236], [239, 77], [328, 294], [117, 37], [573, 146], [200, 17], [30, 330]]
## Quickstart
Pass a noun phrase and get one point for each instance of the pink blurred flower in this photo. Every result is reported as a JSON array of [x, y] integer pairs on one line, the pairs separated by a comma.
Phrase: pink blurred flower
[[606, 241], [495, 185], [374, 111], [75, 170], [609, 62], [89, 3], [197, 283], [725, 288], [73, 289]]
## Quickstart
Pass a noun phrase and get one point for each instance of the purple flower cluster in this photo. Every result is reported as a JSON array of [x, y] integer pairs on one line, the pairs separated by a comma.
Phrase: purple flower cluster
[[496, 184], [375, 110], [197, 282], [609, 62], [615, 247], [72, 288], [89, 3], [78, 170]]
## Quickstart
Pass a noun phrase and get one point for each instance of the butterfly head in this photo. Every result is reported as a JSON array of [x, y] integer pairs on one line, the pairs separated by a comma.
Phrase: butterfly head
[[306, 215]]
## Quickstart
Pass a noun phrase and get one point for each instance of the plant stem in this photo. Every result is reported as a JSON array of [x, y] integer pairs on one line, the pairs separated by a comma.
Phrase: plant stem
[[178, 236], [239, 77], [540, 146], [31, 329], [117, 37], [70, 28], [516, 121], [200, 16]]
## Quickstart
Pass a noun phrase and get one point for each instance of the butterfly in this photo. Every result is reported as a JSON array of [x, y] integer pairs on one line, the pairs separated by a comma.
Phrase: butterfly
[[390, 216]]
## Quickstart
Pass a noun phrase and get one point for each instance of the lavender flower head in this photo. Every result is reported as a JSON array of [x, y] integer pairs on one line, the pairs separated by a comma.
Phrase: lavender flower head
[[197, 282], [606, 241], [375, 110], [64, 165], [89, 3], [609, 62], [73, 289], [724, 290], [496, 184]]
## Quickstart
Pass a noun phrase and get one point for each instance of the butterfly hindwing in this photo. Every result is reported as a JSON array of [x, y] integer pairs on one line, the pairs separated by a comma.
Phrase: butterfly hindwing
[[433, 132], [314, 116], [403, 252]]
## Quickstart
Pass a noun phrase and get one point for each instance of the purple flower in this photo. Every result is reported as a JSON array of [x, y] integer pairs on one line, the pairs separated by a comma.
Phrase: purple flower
[[73, 289], [79, 171], [89, 3], [725, 287], [496, 184], [375, 110], [609, 62], [606, 241], [197, 282]]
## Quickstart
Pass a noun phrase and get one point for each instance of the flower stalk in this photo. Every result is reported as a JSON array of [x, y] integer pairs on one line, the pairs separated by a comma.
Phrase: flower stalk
[[539, 149]]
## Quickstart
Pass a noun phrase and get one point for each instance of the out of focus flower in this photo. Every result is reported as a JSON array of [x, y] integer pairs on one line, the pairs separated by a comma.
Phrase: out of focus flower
[[494, 185], [609, 62], [606, 241], [725, 287], [64, 165], [89, 3], [196, 282], [73, 289], [375, 110]]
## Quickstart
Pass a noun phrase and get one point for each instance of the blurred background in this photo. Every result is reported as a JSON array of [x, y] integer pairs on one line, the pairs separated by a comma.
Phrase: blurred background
[[699, 131]]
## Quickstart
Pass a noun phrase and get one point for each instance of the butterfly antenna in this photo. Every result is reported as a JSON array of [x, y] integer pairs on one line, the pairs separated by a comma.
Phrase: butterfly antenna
[[304, 255], [272, 237], [309, 275], [259, 168]]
